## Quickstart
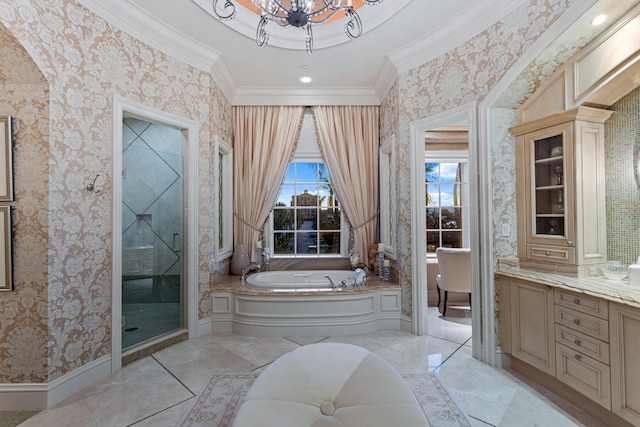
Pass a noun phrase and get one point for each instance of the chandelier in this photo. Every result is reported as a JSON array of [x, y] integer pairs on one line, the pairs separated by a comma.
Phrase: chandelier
[[297, 13]]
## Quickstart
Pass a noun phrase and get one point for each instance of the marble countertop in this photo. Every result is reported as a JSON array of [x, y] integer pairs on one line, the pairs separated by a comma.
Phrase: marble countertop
[[234, 284], [619, 291]]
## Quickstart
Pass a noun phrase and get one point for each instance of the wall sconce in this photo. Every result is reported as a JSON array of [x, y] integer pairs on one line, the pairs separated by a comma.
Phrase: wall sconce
[[92, 186]]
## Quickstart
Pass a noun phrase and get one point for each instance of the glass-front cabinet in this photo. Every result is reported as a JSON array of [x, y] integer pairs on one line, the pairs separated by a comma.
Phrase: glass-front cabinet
[[560, 187], [550, 186]]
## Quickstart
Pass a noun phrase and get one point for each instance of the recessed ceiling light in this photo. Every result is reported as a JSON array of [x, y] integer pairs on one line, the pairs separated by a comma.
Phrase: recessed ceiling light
[[598, 20], [305, 79]]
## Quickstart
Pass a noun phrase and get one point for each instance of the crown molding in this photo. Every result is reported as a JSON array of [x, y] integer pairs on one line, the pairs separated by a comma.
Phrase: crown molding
[[293, 96], [136, 22], [452, 33], [386, 78], [223, 77]]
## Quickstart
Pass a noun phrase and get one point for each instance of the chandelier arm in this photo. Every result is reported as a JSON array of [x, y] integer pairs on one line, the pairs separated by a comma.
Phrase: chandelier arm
[[309, 41], [262, 35], [353, 28], [228, 4], [279, 8]]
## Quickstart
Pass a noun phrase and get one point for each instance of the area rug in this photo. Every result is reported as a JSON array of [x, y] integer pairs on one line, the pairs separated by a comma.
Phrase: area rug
[[224, 393]]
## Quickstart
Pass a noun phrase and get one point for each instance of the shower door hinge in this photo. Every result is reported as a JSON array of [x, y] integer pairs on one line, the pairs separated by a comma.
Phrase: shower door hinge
[[124, 173]]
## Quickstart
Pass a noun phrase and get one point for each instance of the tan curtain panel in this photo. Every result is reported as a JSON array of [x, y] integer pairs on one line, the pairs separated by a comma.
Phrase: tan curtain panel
[[264, 141], [349, 140]]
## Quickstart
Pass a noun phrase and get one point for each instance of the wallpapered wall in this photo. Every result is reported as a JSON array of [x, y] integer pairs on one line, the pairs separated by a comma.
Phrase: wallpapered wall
[[465, 74], [86, 61], [24, 94]]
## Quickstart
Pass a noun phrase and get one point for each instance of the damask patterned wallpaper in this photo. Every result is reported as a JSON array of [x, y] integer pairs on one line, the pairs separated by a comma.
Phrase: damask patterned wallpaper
[[85, 62], [465, 74], [24, 94]]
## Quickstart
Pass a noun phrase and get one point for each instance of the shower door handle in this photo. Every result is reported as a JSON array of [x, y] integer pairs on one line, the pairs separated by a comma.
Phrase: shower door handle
[[176, 242]]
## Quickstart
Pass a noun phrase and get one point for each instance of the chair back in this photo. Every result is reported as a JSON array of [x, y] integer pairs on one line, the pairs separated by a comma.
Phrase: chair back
[[455, 269]]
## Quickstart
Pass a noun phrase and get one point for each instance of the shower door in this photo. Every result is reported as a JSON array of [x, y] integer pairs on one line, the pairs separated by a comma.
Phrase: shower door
[[152, 232]]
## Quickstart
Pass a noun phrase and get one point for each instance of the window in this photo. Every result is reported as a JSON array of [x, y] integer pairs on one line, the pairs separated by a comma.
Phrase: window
[[223, 189], [446, 183], [388, 197], [306, 219]]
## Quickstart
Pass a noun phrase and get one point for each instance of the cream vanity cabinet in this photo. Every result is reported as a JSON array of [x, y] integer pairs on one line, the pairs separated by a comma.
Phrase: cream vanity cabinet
[[560, 187], [531, 323], [589, 347], [624, 326]]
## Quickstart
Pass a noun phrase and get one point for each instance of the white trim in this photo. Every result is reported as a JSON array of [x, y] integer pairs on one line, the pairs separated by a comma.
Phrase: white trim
[[74, 381], [190, 128], [306, 97], [387, 180], [224, 148], [31, 396], [418, 249]]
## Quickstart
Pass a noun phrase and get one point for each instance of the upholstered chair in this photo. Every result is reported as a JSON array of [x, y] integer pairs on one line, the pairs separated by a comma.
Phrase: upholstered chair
[[455, 272]]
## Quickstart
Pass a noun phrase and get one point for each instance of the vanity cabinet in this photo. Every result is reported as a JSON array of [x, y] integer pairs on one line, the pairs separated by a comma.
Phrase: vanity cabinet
[[560, 187], [587, 346], [531, 316], [582, 345], [625, 353]]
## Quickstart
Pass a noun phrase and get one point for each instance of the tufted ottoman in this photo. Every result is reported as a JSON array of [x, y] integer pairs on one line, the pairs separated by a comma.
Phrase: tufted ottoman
[[330, 385]]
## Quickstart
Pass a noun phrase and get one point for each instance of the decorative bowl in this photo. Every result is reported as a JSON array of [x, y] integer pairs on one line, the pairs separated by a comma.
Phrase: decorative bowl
[[615, 270]]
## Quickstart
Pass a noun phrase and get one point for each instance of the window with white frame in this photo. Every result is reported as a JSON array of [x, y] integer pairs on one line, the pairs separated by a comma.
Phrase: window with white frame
[[447, 213], [223, 201], [307, 220]]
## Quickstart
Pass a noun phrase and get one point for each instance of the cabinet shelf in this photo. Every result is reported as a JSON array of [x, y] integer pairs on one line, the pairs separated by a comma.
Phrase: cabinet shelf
[[556, 159], [550, 187], [549, 215]]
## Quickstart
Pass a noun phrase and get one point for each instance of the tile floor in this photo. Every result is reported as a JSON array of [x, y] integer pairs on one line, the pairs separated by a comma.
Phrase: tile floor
[[158, 390]]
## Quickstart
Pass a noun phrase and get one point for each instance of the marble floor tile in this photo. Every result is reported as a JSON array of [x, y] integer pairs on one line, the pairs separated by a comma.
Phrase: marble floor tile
[[159, 390]]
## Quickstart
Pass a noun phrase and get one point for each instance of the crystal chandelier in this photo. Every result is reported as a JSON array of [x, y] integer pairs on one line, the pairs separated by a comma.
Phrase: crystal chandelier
[[299, 13]]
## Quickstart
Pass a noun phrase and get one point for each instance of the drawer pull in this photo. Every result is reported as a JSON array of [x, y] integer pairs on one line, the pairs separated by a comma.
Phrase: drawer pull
[[576, 321], [578, 357], [547, 253], [569, 242], [577, 342], [576, 301]]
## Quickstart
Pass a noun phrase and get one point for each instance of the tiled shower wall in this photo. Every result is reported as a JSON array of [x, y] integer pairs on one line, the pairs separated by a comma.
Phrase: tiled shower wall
[[622, 139]]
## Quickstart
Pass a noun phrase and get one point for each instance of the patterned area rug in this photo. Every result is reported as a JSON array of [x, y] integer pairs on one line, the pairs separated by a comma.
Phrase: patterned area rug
[[223, 395]]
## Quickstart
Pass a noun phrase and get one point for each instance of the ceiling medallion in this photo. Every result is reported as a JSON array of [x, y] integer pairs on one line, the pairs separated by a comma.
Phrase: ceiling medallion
[[299, 13]]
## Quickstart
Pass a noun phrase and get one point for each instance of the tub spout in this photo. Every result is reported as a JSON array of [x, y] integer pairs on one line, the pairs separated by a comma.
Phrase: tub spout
[[333, 285], [246, 271]]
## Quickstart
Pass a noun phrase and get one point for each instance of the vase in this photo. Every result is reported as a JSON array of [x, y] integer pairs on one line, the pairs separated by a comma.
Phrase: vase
[[240, 259]]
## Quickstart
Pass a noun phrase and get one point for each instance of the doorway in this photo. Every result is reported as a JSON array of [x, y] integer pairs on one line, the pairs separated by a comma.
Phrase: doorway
[[155, 253], [467, 114], [152, 231]]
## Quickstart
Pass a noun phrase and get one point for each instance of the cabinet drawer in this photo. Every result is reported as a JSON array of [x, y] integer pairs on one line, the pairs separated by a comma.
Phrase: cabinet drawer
[[552, 253], [583, 343], [583, 374], [581, 322], [580, 302]]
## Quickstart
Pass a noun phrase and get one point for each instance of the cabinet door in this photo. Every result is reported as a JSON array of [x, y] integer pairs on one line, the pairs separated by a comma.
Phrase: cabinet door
[[624, 324], [549, 172], [532, 339]]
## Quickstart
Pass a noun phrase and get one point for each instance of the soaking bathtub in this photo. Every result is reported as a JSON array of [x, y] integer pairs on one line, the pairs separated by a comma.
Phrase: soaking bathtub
[[302, 303], [302, 280]]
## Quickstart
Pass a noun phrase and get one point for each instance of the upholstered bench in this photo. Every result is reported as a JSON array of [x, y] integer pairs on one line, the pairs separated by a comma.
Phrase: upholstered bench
[[330, 385]]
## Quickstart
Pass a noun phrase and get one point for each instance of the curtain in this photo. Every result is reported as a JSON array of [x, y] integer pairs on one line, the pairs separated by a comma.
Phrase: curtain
[[264, 141], [349, 140]]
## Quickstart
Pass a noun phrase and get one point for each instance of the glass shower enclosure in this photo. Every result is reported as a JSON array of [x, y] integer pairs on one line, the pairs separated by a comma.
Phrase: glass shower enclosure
[[152, 232]]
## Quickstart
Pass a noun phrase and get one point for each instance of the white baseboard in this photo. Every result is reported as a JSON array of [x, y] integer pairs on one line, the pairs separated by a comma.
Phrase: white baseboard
[[205, 327], [22, 397], [76, 380], [47, 395]]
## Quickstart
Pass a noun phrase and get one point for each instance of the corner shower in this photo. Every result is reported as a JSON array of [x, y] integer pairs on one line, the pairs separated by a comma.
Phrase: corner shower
[[152, 232]]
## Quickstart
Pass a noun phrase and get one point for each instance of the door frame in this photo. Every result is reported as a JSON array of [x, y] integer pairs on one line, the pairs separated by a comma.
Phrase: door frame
[[122, 108], [418, 219]]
